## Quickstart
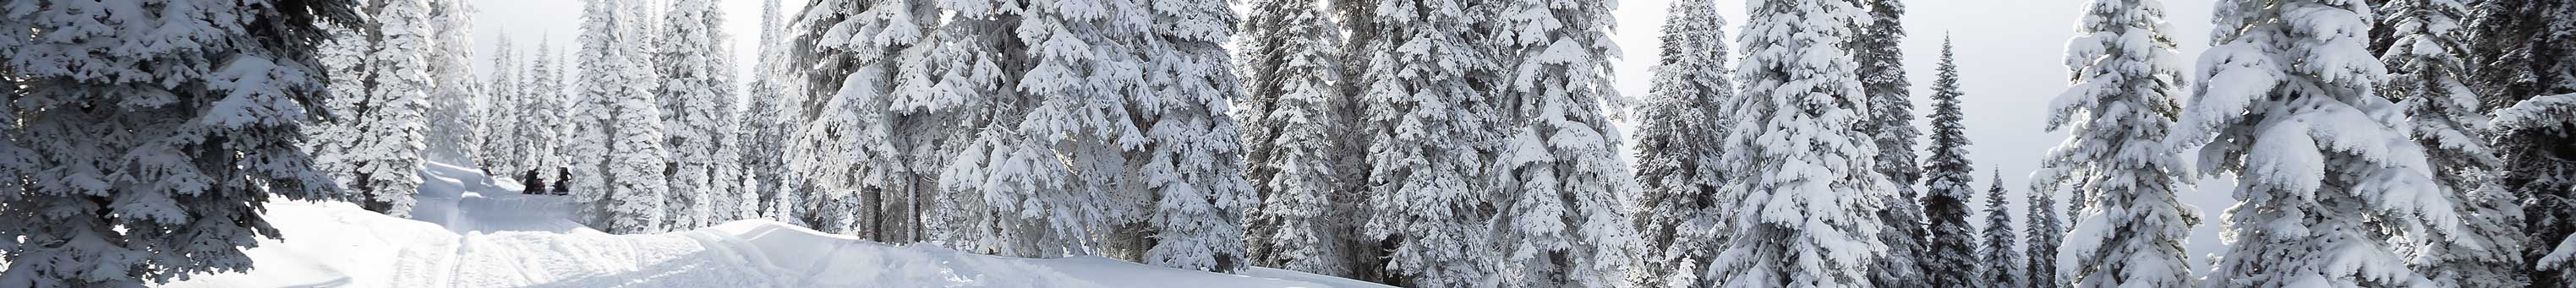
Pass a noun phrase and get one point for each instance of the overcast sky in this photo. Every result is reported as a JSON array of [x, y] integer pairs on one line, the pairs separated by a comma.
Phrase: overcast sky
[[2010, 54]]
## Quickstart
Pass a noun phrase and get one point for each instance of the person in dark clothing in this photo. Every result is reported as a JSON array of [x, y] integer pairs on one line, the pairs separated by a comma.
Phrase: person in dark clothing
[[563, 175], [530, 184]]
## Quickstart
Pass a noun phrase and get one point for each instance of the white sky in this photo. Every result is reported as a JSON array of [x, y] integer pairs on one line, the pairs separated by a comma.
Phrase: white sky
[[2009, 56]]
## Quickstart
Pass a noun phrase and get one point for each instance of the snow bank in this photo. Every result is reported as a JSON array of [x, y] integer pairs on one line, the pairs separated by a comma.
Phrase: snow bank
[[475, 233]]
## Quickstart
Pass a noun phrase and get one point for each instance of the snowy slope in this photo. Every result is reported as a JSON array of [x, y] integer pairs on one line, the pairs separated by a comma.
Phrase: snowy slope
[[476, 233]]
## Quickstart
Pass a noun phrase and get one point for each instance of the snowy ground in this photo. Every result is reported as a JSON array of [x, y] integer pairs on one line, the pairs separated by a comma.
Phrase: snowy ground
[[471, 232]]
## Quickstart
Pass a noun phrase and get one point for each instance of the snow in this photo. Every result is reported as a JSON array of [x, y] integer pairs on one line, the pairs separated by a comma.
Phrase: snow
[[472, 231]]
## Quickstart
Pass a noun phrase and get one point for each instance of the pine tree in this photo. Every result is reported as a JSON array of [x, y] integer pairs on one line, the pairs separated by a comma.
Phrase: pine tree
[[2518, 56], [1423, 116], [386, 161], [587, 122], [1953, 258], [2040, 238], [503, 98], [1193, 158], [1677, 147], [1565, 191], [879, 132], [2428, 76], [688, 59], [346, 59], [2325, 173], [763, 152], [1812, 221], [967, 219], [1293, 149], [2547, 118], [2003, 261], [143, 141], [452, 137], [1890, 121], [2125, 83], [540, 116]]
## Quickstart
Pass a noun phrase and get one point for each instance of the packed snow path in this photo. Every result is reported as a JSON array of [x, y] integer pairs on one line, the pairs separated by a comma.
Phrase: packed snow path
[[466, 238]]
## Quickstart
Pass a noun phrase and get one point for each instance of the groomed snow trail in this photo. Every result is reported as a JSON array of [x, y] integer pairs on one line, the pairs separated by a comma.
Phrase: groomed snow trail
[[475, 233]]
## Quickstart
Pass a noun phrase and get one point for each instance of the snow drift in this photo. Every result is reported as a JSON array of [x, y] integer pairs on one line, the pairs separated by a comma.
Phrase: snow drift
[[467, 237]]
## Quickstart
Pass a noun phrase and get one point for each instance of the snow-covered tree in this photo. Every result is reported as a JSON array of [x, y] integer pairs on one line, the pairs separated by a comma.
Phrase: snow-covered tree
[[2003, 260], [1677, 147], [504, 98], [540, 117], [2040, 238], [688, 58], [1192, 160], [617, 176], [346, 59], [2428, 77], [1564, 191], [2326, 175], [1293, 144], [1810, 223], [143, 138], [2547, 118], [967, 219], [453, 136], [764, 151], [386, 160], [2518, 56], [1425, 120], [1891, 122], [1952, 260], [880, 130], [2126, 79]]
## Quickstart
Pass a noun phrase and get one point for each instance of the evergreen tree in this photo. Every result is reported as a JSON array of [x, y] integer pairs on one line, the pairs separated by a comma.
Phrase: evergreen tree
[[2003, 266], [2534, 118], [504, 97], [1677, 147], [1953, 258], [141, 142], [1192, 159], [1564, 190], [540, 116], [1809, 225], [1293, 146], [637, 157], [1424, 116], [452, 136], [880, 133], [763, 152], [2428, 76], [1890, 121], [967, 219], [2040, 238], [2326, 176], [2517, 56], [346, 59], [688, 59], [386, 160], [2126, 79]]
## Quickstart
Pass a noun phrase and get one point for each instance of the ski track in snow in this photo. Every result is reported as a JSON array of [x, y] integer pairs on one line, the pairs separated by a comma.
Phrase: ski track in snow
[[469, 238]]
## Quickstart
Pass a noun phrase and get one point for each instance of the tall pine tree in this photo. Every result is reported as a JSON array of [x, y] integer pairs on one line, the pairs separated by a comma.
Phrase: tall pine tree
[[1565, 189], [2325, 173], [1953, 257], [2428, 75], [387, 159], [1291, 78], [1677, 147], [2547, 116], [2040, 238], [1890, 121], [1811, 224], [2126, 81], [1424, 114], [2516, 56]]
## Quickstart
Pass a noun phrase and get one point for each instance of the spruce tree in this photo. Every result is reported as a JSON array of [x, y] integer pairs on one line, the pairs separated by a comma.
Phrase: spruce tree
[[1564, 189], [2126, 82], [2325, 173], [540, 116], [453, 136], [2040, 239], [1424, 114], [1890, 122], [764, 151], [2003, 266], [688, 59], [637, 157], [1952, 260], [1192, 159], [1677, 147], [2517, 56], [2428, 75], [141, 143], [1292, 143], [499, 114], [2538, 118], [587, 122], [1809, 225], [387, 159]]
